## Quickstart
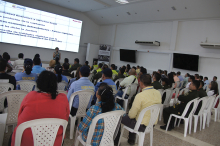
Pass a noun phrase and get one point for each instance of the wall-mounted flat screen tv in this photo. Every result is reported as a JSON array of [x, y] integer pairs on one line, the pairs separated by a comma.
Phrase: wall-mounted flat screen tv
[[128, 55], [186, 61]]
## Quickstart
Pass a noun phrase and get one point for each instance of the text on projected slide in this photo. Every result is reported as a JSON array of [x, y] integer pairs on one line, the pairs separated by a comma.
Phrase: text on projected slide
[[26, 26]]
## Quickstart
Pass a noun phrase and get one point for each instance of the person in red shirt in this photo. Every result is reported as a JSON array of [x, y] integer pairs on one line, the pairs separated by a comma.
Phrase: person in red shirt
[[46, 103]]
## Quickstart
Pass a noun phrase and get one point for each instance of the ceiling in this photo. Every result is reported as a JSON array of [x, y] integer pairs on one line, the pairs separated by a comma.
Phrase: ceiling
[[109, 12]]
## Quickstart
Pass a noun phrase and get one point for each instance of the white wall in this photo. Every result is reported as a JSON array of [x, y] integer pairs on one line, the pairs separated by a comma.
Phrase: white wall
[[92, 52], [175, 36], [90, 33]]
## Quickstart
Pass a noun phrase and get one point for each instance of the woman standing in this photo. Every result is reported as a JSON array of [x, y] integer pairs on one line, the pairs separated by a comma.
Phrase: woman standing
[[56, 54]]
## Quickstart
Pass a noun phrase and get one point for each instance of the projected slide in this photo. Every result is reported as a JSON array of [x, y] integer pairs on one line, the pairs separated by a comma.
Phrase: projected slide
[[26, 26]]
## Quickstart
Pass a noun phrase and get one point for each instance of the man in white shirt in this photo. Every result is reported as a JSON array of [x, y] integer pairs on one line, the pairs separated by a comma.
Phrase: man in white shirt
[[191, 78], [20, 60]]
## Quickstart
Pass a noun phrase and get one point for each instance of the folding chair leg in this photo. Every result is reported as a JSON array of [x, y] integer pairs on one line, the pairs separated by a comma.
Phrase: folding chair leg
[[190, 124], [204, 120], [72, 125], [179, 122], [195, 123], [141, 139], [168, 123], [200, 122], [161, 113], [175, 122], [122, 131], [6, 129], [151, 138], [216, 112], [76, 142], [186, 123]]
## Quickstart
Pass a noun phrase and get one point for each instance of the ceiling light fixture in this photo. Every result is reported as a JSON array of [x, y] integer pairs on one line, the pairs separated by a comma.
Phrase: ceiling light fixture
[[122, 1]]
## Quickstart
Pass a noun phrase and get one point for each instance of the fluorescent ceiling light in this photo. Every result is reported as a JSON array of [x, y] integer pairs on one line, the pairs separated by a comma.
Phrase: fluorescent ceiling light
[[122, 1]]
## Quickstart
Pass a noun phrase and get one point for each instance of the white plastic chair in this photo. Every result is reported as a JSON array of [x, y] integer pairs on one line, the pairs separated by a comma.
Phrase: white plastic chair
[[2, 81], [73, 72], [217, 109], [19, 67], [200, 113], [44, 131], [126, 101], [206, 87], [99, 80], [166, 101], [14, 99], [84, 98], [11, 73], [113, 76], [186, 90], [207, 111], [118, 81], [91, 76], [154, 112], [177, 84], [27, 85], [68, 78], [111, 120], [62, 85], [188, 120], [3, 118], [176, 91], [62, 91], [17, 70], [4, 87], [161, 91]]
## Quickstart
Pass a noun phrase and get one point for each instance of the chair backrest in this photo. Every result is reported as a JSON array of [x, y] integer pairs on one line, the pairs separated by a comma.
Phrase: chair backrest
[[62, 91], [111, 120], [14, 99], [176, 91], [26, 85], [68, 78], [186, 90], [113, 76], [181, 84], [154, 113], [118, 81], [44, 131], [216, 100], [84, 98], [4, 81], [73, 72], [4, 87], [204, 102], [99, 80], [91, 76], [62, 85], [177, 84], [210, 103], [19, 67], [11, 73], [161, 91], [133, 90], [194, 102], [206, 86], [169, 93], [17, 70]]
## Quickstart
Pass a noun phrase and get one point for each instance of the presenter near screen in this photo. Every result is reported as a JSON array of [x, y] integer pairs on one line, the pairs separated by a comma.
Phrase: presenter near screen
[[56, 54]]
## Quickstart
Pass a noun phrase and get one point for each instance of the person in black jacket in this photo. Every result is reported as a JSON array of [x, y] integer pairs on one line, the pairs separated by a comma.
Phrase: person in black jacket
[[179, 108], [201, 93]]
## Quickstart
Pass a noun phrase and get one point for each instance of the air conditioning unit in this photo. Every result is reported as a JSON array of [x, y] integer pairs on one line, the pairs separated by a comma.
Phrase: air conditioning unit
[[155, 43], [209, 45]]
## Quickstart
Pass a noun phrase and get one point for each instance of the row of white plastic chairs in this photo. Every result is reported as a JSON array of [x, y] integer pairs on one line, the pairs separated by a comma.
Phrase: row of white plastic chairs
[[111, 118]]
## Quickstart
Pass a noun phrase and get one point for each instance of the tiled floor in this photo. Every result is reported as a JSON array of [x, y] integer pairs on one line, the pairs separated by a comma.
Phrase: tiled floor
[[210, 136]]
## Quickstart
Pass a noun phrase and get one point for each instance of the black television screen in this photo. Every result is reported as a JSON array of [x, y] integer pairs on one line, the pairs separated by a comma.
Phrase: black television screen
[[128, 55], [186, 61]]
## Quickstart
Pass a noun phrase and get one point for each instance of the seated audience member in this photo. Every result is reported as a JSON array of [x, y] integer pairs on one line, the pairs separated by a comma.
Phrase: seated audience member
[[95, 66], [82, 84], [120, 74], [37, 68], [8, 66], [75, 65], [179, 76], [106, 104], [37, 56], [201, 78], [213, 86], [4, 75], [171, 80], [156, 79], [74, 79], [106, 78], [57, 61], [87, 64], [50, 103], [99, 69], [143, 71], [197, 77], [57, 54], [66, 60], [201, 93], [191, 78], [52, 64], [134, 68], [126, 73], [179, 108], [187, 75], [65, 68], [27, 75], [58, 72], [6, 56], [206, 81], [165, 83], [20, 60], [148, 97], [175, 78], [138, 70], [114, 72], [125, 83], [163, 75], [215, 79], [98, 74]]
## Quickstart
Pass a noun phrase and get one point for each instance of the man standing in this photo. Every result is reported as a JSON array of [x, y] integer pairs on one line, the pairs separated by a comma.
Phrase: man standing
[[20, 60], [75, 65], [156, 83], [179, 108], [82, 84], [148, 97], [179, 76]]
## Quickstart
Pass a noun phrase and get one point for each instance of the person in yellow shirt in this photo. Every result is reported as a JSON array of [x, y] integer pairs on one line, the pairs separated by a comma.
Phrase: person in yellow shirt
[[148, 97], [114, 72], [95, 66]]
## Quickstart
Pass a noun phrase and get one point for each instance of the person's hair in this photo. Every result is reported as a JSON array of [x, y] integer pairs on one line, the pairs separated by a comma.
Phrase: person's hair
[[188, 75], [128, 68], [52, 63], [171, 80], [20, 55], [77, 60], [159, 70], [58, 70], [197, 76], [174, 73], [87, 62], [100, 65], [107, 98], [157, 76], [3, 64], [113, 66], [146, 79], [143, 70], [215, 77], [56, 48], [206, 78], [47, 82], [95, 62], [66, 66], [28, 67], [122, 70], [57, 60], [104, 66], [214, 86], [178, 73], [77, 73], [138, 66], [201, 77], [85, 74], [192, 78], [66, 60], [196, 83], [37, 61], [5, 55], [36, 56], [134, 67], [165, 72], [201, 83]]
